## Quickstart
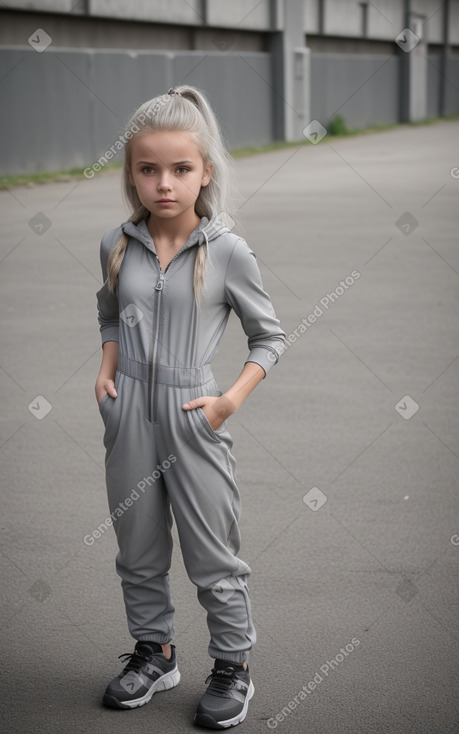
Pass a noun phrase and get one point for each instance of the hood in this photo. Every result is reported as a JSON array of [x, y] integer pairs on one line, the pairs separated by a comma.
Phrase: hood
[[206, 231]]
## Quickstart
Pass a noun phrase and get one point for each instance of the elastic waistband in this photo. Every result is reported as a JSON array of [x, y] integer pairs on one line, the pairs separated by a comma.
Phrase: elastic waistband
[[178, 376]]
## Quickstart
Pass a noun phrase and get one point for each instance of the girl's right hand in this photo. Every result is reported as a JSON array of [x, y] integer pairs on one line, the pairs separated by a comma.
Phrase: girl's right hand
[[104, 386]]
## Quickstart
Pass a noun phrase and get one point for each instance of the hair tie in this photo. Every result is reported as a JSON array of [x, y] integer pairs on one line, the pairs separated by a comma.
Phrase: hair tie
[[173, 90]]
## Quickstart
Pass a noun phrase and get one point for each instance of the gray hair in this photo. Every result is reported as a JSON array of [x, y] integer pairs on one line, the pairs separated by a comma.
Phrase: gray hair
[[183, 108]]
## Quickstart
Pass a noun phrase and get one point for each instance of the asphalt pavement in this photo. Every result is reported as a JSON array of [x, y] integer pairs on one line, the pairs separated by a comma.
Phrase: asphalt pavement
[[348, 456]]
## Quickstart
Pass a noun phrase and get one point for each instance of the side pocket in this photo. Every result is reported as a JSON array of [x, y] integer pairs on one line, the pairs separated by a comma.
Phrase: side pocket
[[107, 402], [104, 406], [214, 434]]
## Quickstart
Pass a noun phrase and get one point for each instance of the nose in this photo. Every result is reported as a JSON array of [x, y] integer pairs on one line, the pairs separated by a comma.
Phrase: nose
[[164, 183]]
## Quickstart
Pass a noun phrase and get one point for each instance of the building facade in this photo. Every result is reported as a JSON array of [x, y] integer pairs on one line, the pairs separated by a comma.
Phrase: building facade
[[73, 72]]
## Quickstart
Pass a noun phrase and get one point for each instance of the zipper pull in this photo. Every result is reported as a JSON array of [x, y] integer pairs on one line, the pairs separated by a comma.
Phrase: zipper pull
[[160, 284]]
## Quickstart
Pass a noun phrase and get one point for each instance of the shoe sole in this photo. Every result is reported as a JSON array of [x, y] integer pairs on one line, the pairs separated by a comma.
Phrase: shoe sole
[[210, 723], [164, 683]]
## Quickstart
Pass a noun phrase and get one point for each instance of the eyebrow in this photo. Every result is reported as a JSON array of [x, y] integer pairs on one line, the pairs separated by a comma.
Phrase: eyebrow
[[150, 163]]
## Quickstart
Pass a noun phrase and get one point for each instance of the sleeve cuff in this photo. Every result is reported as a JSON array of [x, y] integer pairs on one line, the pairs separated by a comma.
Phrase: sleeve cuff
[[265, 357], [110, 334]]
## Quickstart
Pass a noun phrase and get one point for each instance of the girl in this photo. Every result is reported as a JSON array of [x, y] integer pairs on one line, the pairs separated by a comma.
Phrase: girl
[[172, 273]]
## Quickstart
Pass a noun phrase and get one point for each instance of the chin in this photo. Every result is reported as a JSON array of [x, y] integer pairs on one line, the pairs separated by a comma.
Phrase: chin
[[165, 214]]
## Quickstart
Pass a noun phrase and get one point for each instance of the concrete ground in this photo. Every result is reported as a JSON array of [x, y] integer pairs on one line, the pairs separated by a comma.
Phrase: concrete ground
[[348, 457]]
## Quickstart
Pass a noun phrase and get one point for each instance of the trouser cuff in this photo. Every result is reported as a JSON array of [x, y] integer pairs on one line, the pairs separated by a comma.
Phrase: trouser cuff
[[160, 639], [233, 657]]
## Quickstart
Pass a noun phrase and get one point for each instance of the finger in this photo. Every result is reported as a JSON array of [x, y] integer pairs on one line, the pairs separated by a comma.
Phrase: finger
[[190, 405], [193, 404]]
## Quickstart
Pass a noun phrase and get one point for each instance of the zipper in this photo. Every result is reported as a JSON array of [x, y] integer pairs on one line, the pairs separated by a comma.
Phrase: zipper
[[159, 291]]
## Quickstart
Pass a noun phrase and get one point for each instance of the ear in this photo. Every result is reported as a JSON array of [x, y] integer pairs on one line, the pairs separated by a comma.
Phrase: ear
[[207, 174]]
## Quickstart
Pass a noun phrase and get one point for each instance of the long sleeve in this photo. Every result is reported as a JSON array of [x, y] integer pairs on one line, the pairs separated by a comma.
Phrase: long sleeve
[[107, 303], [246, 295]]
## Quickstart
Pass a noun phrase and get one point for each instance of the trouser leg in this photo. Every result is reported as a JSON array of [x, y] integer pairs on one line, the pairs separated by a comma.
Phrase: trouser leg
[[206, 505], [141, 513]]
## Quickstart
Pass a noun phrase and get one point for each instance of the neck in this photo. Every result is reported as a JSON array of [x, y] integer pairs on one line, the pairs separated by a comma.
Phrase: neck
[[173, 230]]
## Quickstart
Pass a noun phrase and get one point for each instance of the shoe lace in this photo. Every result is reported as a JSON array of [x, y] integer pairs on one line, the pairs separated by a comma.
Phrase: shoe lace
[[222, 680], [137, 660]]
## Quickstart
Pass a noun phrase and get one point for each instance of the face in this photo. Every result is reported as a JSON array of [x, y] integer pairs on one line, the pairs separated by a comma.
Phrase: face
[[168, 171]]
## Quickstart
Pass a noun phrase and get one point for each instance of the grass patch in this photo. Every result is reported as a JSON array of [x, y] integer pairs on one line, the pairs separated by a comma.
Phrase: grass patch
[[37, 179], [337, 128]]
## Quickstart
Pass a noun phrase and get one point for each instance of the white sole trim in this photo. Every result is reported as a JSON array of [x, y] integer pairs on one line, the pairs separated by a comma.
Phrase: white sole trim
[[240, 717], [167, 681]]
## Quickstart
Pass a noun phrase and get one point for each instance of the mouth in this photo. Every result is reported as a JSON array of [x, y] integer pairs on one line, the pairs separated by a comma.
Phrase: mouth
[[165, 201]]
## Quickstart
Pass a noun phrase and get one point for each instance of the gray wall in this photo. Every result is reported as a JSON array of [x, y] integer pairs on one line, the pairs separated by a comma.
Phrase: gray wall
[[433, 86], [452, 86], [78, 31], [434, 72], [385, 18], [266, 79], [62, 109], [363, 89]]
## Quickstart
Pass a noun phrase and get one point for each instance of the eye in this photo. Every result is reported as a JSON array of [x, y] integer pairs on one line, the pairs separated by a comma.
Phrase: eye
[[147, 169], [183, 168]]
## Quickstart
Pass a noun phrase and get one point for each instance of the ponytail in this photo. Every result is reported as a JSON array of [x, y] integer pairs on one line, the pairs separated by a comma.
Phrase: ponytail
[[184, 108]]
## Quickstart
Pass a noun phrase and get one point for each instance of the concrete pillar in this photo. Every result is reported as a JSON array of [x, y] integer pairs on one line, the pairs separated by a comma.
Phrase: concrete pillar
[[444, 59], [413, 66], [418, 71], [291, 72]]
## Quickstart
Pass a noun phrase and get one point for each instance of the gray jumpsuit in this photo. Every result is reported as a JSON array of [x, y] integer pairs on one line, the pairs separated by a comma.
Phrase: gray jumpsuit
[[159, 456]]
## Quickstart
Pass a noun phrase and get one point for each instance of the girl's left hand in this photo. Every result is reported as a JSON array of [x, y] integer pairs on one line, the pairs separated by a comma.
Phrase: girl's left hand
[[216, 410]]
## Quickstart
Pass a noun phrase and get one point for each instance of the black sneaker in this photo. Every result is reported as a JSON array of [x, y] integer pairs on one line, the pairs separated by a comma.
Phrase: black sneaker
[[226, 700], [147, 672]]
